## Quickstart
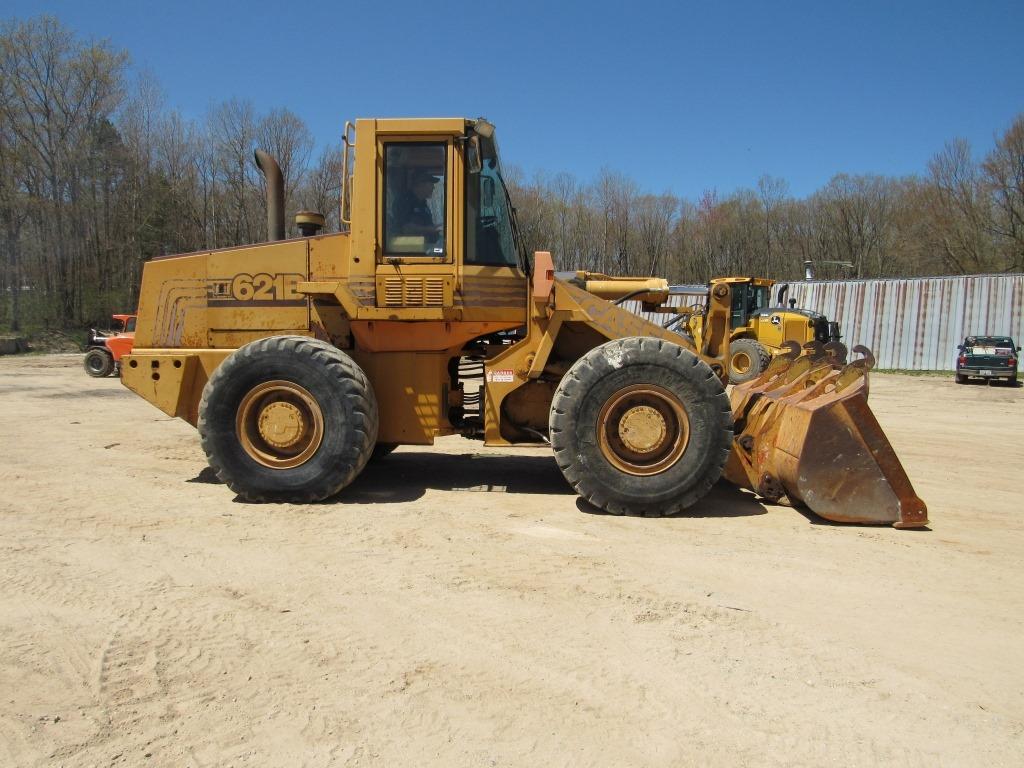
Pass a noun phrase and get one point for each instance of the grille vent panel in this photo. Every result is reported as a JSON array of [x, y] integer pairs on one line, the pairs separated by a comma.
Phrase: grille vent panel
[[415, 291]]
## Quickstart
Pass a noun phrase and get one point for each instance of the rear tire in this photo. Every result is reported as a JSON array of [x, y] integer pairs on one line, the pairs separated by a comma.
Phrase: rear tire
[[99, 363], [961, 379], [288, 418], [641, 426], [748, 359]]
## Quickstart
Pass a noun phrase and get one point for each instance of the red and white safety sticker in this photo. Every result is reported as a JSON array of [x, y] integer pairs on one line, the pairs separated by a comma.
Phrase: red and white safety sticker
[[501, 376]]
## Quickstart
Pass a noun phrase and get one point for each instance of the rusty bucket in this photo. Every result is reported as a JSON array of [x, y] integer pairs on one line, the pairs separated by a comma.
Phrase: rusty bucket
[[805, 433]]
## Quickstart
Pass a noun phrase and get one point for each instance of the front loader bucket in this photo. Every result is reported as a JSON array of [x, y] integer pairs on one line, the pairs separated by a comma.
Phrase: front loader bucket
[[804, 431]]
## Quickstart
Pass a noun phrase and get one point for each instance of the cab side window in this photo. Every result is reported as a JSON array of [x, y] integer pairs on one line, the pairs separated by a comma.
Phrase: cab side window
[[739, 300], [758, 299], [414, 198]]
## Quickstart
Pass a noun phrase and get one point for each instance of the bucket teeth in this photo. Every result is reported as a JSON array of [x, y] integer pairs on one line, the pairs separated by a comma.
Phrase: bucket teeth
[[867, 361], [815, 350], [837, 352], [804, 431]]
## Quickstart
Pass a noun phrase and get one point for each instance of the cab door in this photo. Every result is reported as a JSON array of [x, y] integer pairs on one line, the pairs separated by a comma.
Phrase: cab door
[[493, 287], [419, 227]]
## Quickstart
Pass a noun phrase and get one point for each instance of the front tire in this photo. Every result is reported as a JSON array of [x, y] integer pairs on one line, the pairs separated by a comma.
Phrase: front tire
[[99, 363], [748, 359], [641, 426], [288, 418]]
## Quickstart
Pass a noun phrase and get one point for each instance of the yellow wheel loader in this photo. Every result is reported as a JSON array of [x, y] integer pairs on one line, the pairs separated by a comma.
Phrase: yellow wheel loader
[[299, 360], [757, 330]]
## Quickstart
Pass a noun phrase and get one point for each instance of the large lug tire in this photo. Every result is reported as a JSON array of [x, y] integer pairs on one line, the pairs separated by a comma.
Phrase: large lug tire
[[98, 363], [288, 418], [748, 359], [641, 426]]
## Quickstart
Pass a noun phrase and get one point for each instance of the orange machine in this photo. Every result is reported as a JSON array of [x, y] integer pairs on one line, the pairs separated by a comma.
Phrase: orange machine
[[301, 359], [104, 351]]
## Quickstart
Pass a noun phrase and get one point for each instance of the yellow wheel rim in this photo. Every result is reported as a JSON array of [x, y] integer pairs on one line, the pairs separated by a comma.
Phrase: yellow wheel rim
[[279, 424], [643, 429], [741, 362]]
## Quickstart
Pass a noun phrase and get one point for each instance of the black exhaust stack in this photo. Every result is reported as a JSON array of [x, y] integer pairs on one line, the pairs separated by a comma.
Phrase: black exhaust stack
[[783, 289], [275, 194]]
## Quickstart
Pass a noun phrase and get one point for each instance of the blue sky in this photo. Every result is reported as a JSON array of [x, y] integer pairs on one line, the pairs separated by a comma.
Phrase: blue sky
[[681, 97]]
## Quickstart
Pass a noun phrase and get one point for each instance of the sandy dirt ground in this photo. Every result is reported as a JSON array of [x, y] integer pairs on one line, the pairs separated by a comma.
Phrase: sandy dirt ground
[[459, 606]]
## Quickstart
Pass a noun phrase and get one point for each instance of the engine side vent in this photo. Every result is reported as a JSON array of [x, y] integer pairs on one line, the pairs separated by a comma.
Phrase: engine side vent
[[433, 295], [392, 292], [415, 291]]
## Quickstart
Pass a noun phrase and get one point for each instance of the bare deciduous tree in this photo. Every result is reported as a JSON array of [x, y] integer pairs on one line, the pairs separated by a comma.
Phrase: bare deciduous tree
[[97, 175], [772, 192], [1004, 174], [958, 208]]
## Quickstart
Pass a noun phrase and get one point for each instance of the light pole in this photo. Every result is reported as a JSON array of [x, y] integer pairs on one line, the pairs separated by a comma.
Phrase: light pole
[[809, 266]]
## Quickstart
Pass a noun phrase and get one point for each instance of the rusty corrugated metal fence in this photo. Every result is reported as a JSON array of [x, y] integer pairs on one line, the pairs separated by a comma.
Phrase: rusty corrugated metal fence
[[911, 324], [916, 323]]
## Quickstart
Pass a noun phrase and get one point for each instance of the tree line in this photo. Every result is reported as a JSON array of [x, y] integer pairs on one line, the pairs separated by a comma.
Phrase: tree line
[[962, 216], [98, 174]]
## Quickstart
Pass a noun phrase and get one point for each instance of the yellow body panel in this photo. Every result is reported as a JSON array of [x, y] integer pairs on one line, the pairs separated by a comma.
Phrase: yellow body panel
[[172, 379], [172, 303], [792, 327], [411, 394]]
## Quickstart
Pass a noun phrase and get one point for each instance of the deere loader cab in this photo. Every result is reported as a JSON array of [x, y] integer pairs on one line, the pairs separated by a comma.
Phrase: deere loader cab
[[748, 298]]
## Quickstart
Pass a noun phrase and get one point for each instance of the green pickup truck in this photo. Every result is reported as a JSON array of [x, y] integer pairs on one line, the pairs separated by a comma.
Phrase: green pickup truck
[[987, 357]]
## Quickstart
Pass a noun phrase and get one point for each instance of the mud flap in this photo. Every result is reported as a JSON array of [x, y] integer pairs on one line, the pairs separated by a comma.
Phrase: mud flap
[[804, 432]]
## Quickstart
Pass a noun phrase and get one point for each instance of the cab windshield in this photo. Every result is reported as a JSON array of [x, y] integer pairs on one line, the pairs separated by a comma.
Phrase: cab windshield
[[747, 299], [490, 238]]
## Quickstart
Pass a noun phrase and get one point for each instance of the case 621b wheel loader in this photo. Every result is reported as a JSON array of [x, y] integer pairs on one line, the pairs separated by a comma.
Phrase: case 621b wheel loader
[[298, 359]]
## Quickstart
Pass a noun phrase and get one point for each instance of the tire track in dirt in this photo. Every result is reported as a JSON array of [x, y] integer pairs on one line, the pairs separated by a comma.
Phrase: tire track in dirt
[[738, 638], [44, 654], [406, 624], [205, 671]]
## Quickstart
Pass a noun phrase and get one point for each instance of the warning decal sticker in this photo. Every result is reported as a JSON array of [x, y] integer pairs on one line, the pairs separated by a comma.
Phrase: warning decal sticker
[[501, 376]]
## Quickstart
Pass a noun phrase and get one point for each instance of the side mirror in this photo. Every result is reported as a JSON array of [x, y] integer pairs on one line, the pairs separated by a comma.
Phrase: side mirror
[[473, 155], [960, 347]]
